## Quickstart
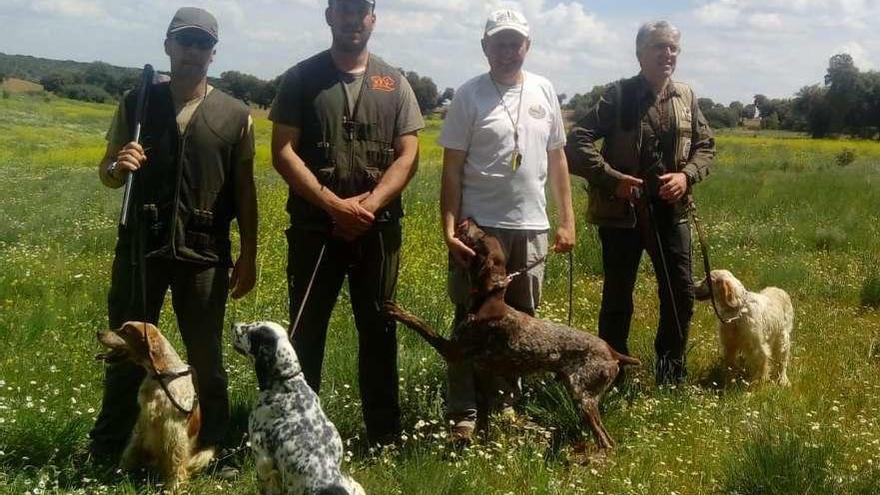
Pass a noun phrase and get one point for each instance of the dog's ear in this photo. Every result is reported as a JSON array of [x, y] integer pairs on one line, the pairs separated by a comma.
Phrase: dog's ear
[[728, 293], [111, 340], [263, 344]]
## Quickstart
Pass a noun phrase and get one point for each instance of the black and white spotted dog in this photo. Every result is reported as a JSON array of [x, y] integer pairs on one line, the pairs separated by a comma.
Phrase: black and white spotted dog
[[297, 448]]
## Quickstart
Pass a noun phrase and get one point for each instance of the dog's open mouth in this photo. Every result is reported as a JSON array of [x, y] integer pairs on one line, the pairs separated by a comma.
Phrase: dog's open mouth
[[112, 356]]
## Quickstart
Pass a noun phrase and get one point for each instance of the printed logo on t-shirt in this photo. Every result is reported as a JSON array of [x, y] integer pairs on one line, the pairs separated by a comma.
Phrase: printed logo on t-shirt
[[383, 83], [537, 112]]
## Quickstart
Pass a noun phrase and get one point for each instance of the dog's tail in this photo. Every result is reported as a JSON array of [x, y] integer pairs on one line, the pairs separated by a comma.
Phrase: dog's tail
[[623, 359], [442, 345], [200, 460]]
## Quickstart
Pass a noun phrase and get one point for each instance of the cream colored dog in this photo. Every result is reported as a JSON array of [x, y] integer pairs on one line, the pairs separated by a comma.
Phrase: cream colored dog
[[757, 325], [168, 425]]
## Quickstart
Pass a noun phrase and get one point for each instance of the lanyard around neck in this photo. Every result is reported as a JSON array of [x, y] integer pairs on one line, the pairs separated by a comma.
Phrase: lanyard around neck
[[517, 156]]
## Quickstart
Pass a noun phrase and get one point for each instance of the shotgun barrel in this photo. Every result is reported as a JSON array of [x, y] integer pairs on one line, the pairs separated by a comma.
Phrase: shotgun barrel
[[142, 97]]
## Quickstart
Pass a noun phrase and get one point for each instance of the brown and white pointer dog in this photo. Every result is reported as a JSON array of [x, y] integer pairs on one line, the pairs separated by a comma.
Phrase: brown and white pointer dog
[[504, 341]]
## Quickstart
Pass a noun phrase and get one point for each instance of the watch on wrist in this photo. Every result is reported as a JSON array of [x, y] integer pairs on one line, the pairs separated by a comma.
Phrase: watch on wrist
[[111, 170]]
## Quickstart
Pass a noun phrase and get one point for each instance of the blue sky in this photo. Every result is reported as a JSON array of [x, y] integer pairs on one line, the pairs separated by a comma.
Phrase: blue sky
[[732, 49]]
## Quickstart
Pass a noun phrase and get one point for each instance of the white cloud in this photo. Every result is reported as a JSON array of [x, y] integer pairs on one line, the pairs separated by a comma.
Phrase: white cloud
[[732, 48], [861, 56], [70, 8], [766, 21], [721, 13]]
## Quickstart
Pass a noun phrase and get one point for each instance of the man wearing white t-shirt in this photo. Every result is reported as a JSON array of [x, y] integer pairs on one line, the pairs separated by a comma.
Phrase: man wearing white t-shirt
[[503, 139]]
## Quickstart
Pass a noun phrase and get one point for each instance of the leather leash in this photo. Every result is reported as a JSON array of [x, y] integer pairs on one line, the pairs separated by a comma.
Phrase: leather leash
[[704, 250]]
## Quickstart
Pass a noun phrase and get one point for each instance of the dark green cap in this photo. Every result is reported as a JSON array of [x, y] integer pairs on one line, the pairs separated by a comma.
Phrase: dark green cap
[[194, 18]]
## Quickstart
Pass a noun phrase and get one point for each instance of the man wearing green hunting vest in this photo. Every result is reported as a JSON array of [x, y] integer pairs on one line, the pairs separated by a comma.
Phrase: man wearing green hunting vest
[[193, 175], [345, 141], [657, 146]]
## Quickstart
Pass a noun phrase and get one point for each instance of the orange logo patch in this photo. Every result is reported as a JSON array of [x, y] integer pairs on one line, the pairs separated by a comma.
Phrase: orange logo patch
[[383, 83]]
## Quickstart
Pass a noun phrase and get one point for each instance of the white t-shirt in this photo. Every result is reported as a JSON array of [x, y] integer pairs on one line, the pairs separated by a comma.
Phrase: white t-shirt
[[493, 193]]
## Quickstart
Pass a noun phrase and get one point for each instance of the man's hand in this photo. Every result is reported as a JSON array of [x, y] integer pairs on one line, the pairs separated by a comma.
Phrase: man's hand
[[370, 202], [130, 158], [461, 254], [350, 219], [627, 187], [673, 186], [564, 241], [244, 276]]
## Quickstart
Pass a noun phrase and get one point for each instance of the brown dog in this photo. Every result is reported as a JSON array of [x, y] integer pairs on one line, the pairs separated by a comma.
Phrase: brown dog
[[168, 424], [505, 341]]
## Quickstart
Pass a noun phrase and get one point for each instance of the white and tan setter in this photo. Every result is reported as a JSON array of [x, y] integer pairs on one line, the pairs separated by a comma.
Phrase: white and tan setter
[[757, 325], [165, 435]]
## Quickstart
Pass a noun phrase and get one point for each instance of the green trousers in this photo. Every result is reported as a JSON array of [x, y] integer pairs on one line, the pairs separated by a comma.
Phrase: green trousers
[[371, 265]]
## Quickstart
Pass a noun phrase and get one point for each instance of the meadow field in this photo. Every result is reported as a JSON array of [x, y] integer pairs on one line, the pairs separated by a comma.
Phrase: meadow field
[[780, 210]]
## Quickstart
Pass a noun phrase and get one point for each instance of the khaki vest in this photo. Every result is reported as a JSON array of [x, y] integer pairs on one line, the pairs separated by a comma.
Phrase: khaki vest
[[348, 150], [185, 193]]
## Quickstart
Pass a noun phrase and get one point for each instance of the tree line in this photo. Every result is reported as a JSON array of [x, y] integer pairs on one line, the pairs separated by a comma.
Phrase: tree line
[[847, 102], [102, 82]]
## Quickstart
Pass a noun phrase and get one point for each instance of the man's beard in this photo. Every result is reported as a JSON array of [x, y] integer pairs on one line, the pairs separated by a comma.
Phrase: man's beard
[[345, 44]]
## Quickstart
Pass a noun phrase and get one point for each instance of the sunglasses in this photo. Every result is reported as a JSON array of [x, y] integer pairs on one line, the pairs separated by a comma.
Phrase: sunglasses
[[194, 40]]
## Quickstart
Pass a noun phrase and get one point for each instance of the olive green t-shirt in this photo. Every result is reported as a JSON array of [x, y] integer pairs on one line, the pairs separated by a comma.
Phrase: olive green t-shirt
[[287, 107], [118, 134]]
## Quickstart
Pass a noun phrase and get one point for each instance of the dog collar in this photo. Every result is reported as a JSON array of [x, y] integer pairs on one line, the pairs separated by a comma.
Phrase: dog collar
[[168, 376], [173, 375], [283, 380]]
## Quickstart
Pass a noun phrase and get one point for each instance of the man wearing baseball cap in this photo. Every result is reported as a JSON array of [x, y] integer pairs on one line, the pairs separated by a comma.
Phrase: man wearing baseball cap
[[503, 140], [193, 174], [345, 139]]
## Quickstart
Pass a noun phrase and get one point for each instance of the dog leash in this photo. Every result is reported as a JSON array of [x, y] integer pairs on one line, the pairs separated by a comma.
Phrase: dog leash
[[652, 220], [704, 249], [570, 284], [156, 375], [528, 268], [543, 259], [305, 299]]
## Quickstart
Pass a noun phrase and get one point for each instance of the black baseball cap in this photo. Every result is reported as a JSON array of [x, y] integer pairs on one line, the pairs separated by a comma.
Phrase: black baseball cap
[[194, 18]]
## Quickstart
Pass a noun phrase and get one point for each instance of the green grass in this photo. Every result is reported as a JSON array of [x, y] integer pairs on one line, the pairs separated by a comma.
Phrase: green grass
[[779, 211]]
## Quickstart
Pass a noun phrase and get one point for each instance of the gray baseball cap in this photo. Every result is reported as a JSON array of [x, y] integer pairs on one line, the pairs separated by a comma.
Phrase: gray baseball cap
[[194, 18], [369, 2]]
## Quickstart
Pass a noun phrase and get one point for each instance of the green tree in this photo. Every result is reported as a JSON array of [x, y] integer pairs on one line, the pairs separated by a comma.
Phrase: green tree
[[57, 80], [842, 81], [870, 104], [243, 86], [764, 105], [811, 102], [425, 90], [445, 97], [581, 104], [266, 93], [101, 75]]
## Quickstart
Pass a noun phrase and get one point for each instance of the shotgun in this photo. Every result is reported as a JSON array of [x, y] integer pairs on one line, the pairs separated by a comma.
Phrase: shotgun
[[142, 97]]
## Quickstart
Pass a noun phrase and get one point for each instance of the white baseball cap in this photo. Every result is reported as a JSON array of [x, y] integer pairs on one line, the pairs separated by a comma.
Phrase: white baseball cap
[[504, 19]]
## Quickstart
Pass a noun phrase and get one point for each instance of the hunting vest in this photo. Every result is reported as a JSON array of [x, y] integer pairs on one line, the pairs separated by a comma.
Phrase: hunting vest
[[185, 194], [633, 147], [347, 149]]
